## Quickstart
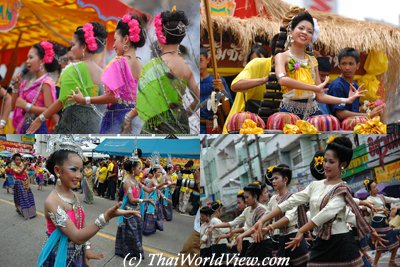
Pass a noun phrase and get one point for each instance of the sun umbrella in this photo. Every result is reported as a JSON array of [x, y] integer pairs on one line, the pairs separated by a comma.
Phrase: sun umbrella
[[27, 156], [361, 194], [6, 154]]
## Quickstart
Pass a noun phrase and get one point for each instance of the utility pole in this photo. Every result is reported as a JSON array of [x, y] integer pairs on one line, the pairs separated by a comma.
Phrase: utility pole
[[248, 158], [259, 154]]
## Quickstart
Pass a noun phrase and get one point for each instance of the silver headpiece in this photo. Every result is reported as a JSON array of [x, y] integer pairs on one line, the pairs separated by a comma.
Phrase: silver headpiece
[[135, 156], [181, 27], [169, 161], [155, 160], [63, 142]]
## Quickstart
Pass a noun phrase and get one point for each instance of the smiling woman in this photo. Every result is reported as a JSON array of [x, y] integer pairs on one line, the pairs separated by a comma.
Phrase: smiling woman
[[65, 218], [297, 72]]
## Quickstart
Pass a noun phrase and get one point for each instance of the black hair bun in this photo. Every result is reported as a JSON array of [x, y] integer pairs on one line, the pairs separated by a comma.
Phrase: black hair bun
[[300, 17], [174, 26], [343, 148], [317, 166]]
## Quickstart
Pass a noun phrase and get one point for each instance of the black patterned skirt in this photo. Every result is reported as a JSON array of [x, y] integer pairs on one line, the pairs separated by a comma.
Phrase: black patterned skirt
[[79, 119], [382, 227], [260, 250], [299, 256], [340, 250]]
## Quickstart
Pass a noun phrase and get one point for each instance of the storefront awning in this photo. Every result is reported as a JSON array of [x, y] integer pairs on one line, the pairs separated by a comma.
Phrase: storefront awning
[[183, 148]]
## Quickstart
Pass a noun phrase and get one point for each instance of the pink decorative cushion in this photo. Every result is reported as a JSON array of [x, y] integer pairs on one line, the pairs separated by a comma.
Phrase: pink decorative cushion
[[236, 121], [325, 123], [278, 120], [349, 123]]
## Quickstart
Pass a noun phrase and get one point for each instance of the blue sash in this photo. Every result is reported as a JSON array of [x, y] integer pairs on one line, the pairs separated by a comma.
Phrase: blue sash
[[167, 193], [124, 202], [61, 258], [151, 208]]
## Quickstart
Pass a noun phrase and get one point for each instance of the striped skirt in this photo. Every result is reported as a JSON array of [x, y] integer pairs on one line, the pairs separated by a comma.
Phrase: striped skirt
[[340, 250], [24, 201], [129, 237], [299, 256], [382, 227]]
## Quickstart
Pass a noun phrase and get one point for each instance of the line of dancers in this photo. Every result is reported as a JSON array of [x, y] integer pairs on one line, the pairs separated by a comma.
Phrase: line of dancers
[[126, 96], [322, 225]]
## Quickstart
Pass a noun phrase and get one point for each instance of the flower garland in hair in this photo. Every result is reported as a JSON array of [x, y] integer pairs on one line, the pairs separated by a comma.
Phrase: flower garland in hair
[[90, 40], [48, 51], [159, 29], [331, 139], [316, 31], [134, 29], [318, 161]]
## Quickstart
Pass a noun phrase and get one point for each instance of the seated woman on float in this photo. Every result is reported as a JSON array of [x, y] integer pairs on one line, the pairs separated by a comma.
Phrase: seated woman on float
[[297, 72]]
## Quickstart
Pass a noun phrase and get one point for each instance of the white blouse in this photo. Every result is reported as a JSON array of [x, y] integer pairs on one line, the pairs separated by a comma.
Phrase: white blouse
[[203, 235], [247, 218], [378, 203], [218, 231], [314, 193], [291, 215]]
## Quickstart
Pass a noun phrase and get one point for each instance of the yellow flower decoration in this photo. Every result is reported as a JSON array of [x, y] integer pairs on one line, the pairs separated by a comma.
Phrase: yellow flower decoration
[[301, 127], [271, 168], [372, 126], [306, 127], [241, 192], [250, 127], [256, 183], [219, 202], [318, 161], [331, 139], [366, 182]]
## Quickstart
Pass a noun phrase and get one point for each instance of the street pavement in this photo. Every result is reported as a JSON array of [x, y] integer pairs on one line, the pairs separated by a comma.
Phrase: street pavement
[[21, 240]]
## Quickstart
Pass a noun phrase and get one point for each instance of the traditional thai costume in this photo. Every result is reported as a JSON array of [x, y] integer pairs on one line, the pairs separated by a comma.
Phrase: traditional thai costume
[[9, 178], [246, 220], [297, 218], [87, 185], [167, 206], [129, 233], [380, 223], [23, 196], [58, 250], [78, 119], [153, 216], [219, 248], [33, 94], [300, 102], [119, 81], [205, 245], [159, 100], [334, 245]]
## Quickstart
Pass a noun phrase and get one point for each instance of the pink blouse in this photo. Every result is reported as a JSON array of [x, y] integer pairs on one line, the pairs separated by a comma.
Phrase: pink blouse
[[71, 214]]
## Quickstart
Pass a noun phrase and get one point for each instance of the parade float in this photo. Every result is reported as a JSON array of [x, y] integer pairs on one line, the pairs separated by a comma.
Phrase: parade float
[[237, 25]]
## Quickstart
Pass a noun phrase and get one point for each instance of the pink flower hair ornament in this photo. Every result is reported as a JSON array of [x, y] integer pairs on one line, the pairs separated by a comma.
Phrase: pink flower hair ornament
[[134, 28], [48, 51], [159, 29], [90, 40]]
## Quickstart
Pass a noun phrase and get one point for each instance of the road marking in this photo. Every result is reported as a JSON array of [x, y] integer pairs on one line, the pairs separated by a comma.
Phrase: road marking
[[110, 237]]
